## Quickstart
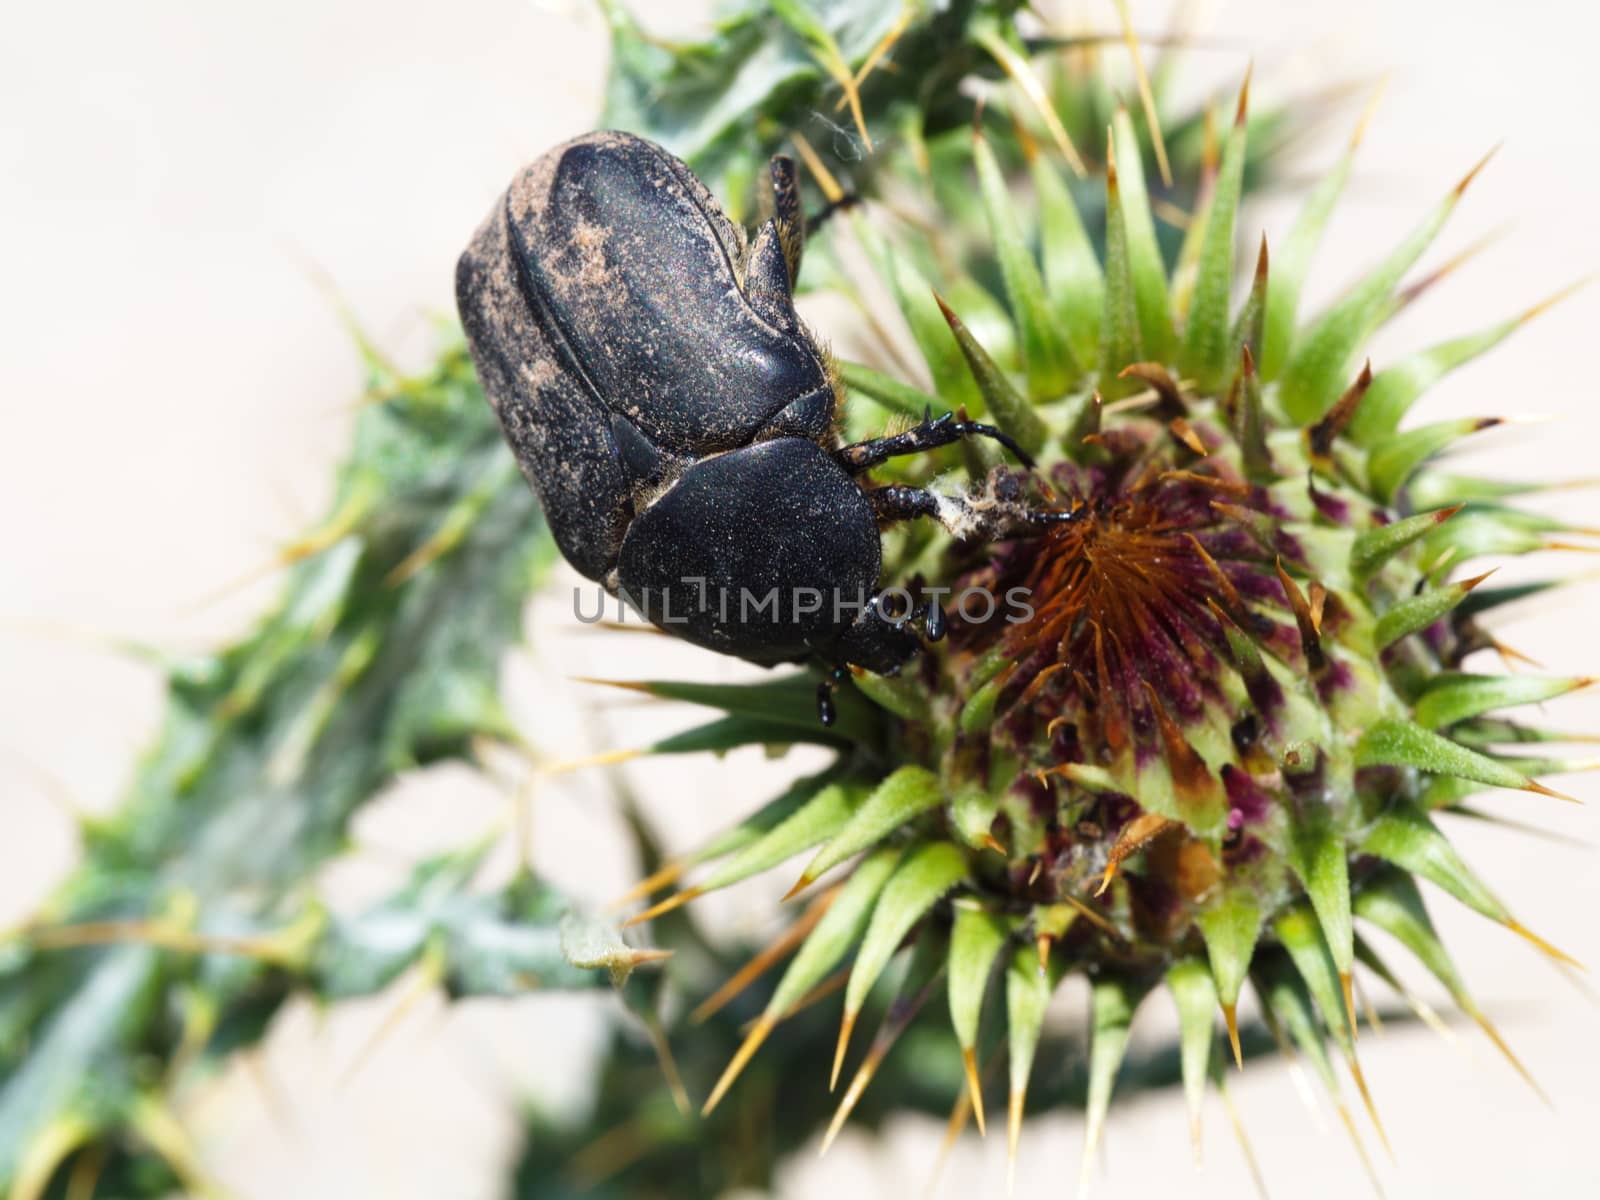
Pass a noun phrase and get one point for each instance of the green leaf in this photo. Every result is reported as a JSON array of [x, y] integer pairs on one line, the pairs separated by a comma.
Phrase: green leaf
[[1208, 350], [1395, 459], [1029, 986], [1195, 993], [1145, 267], [1452, 697], [1325, 358], [1396, 743], [1372, 549], [1317, 855], [729, 733], [819, 818], [1297, 928], [838, 930], [1231, 927], [1046, 357], [1395, 389], [1113, 1001], [1007, 408], [928, 872], [1293, 263], [1405, 836], [976, 940], [947, 366], [786, 700], [1073, 280], [885, 391], [906, 794], [1418, 612], [1120, 339]]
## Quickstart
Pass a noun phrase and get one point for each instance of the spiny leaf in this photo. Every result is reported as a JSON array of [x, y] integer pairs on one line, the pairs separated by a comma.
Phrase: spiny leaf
[[1195, 993], [820, 817], [886, 391], [1073, 280], [1046, 357], [1372, 549], [1120, 340], [928, 872], [894, 802], [1208, 352], [1420, 611], [1392, 902], [838, 930], [1029, 985], [787, 700], [1145, 267], [1113, 1001], [1317, 854], [1396, 459], [1294, 263], [1452, 697], [1397, 743], [1322, 361], [1231, 927], [1406, 837], [929, 329], [976, 940], [1395, 389], [1007, 407]]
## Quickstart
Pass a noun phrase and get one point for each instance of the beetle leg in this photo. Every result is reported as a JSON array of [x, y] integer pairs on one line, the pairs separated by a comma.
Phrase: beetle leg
[[827, 713], [983, 520], [929, 435]]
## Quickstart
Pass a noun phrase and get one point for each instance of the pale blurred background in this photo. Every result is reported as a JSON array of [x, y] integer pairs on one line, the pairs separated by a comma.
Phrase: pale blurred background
[[176, 178]]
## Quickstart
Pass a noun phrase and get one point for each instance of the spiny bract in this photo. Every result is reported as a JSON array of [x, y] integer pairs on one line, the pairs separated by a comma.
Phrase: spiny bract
[[1208, 749]]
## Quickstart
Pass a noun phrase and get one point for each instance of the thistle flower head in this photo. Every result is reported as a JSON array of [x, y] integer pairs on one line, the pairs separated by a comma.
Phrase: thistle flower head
[[1195, 737]]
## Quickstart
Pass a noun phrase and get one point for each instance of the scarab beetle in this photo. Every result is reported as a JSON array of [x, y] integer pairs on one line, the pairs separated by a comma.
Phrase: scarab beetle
[[676, 418]]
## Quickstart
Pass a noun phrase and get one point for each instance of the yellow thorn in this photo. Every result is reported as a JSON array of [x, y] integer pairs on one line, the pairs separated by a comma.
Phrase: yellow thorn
[[669, 1065], [1365, 120], [1472, 174], [786, 941], [1551, 301], [852, 1096], [800, 885], [674, 901], [739, 1061], [1230, 1014], [1240, 1136], [665, 877], [847, 1023], [884, 44], [607, 759], [1539, 788], [969, 1063], [1366, 1099], [831, 190], [1521, 930], [959, 1112], [1043, 943], [993, 843], [428, 973], [1347, 985], [1493, 1035], [1361, 1149], [1147, 98], [1022, 75], [1013, 1137]]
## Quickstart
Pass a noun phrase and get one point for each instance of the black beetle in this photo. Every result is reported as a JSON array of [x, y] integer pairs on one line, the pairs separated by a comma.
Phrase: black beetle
[[678, 421]]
